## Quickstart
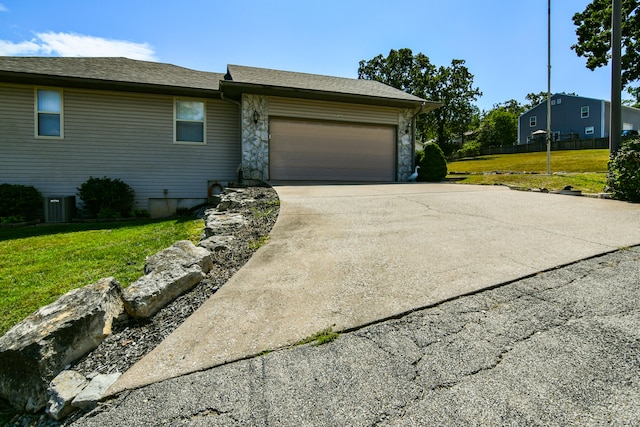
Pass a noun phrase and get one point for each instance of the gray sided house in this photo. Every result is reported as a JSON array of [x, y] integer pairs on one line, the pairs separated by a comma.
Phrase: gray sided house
[[171, 133], [572, 117]]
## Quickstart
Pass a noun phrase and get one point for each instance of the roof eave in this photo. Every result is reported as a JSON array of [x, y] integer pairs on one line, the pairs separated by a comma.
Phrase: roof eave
[[98, 84], [236, 89]]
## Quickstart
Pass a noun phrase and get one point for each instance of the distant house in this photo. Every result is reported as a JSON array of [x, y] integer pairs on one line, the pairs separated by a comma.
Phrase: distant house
[[572, 117], [171, 133]]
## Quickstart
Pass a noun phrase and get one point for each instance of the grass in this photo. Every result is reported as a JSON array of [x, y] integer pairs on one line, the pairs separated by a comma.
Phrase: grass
[[257, 244], [319, 338], [584, 170], [39, 264]]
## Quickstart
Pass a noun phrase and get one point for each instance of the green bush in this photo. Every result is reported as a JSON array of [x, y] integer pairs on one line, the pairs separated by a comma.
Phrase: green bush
[[469, 149], [19, 202], [433, 165], [106, 197], [623, 177]]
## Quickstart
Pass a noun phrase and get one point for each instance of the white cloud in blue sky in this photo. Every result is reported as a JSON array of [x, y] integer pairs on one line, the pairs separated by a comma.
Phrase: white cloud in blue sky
[[71, 44], [3, 8]]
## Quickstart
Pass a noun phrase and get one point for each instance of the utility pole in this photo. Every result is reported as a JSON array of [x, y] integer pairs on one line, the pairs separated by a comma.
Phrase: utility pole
[[549, 87], [616, 71]]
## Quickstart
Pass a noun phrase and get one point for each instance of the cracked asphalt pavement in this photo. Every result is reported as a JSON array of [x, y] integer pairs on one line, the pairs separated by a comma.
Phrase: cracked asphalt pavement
[[561, 347]]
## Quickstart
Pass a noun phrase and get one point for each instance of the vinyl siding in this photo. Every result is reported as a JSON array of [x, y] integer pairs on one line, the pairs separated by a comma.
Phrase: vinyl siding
[[333, 111], [119, 135], [565, 117], [630, 117]]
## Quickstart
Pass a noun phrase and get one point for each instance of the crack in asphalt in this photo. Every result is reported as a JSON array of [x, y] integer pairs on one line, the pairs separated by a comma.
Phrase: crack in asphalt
[[460, 349]]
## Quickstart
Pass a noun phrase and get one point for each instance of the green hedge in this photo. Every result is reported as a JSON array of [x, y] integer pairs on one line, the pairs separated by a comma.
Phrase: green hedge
[[19, 203], [107, 197], [623, 178]]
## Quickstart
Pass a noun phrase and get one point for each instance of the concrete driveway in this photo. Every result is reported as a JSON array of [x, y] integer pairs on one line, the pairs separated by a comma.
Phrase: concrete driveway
[[344, 256]]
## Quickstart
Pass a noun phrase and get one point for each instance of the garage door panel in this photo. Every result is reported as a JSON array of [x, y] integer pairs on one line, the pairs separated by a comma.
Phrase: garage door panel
[[303, 150]]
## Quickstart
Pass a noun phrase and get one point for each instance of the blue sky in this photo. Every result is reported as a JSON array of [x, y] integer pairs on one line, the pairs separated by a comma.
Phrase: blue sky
[[503, 42]]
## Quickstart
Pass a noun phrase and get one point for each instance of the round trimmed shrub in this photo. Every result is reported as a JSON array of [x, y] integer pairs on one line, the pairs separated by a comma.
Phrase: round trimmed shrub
[[106, 197], [433, 164], [623, 177], [20, 202]]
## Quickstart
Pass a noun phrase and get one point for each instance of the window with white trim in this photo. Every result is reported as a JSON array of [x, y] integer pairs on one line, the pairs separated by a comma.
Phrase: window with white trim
[[589, 130], [49, 113], [533, 121], [584, 112], [189, 121]]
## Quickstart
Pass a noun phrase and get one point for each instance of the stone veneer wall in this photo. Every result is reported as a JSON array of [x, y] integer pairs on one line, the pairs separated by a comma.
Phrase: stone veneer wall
[[405, 144], [255, 138]]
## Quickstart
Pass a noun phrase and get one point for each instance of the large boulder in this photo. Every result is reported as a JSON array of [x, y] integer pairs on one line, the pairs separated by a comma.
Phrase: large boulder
[[170, 273], [182, 254], [34, 351], [221, 223]]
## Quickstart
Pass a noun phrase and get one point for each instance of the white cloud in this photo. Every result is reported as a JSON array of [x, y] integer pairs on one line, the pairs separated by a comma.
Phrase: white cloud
[[3, 8], [71, 44], [22, 48]]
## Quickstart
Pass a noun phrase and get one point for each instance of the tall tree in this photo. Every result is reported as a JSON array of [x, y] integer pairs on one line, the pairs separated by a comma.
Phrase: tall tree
[[415, 74], [499, 126], [534, 99], [594, 37], [511, 106]]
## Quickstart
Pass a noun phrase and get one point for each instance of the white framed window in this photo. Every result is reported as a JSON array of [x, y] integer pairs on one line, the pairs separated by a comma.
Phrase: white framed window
[[589, 130], [189, 121], [584, 112], [533, 121], [559, 101], [553, 102], [49, 113]]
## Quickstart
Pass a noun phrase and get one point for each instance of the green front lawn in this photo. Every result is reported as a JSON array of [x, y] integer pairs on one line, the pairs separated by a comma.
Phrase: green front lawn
[[568, 161], [584, 170], [39, 264]]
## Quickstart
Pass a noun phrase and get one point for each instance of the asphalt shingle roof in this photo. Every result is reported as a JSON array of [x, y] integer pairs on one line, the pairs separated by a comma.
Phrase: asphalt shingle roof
[[121, 70], [117, 72], [315, 82]]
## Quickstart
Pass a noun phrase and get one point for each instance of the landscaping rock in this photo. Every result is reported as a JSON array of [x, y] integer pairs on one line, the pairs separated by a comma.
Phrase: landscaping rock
[[144, 297], [89, 397], [34, 351], [182, 253], [63, 389], [170, 273], [216, 243], [233, 199], [222, 223]]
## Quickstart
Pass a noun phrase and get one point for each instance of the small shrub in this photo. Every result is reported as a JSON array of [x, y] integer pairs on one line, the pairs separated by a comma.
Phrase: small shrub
[[623, 177], [141, 213], [106, 197], [469, 149], [12, 219], [433, 165], [19, 202]]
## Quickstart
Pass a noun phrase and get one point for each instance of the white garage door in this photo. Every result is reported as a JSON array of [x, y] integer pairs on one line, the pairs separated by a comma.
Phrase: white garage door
[[329, 151]]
